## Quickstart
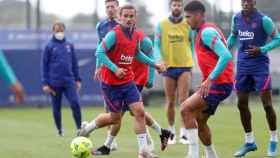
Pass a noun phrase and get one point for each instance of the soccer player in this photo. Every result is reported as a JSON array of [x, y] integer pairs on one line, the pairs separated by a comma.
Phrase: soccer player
[[215, 62], [9, 77], [144, 77], [102, 28], [141, 79], [252, 29], [60, 75], [116, 53], [106, 25], [172, 46]]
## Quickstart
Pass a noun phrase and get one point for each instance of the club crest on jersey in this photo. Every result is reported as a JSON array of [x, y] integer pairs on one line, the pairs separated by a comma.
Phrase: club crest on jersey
[[68, 48], [246, 35], [126, 60], [254, 25]]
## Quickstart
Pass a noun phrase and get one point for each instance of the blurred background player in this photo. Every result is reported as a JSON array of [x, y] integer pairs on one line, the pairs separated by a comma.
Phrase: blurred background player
[[252, 29], [9, 77], [215, 62], [117, 52], [143, 77], [102, 28], [173, 47], [60, 75]]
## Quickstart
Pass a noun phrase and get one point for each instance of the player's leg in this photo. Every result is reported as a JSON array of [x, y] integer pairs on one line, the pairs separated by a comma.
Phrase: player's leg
[[106, 148], [102, 120], [266, 97], [245, 84], [137, 109], [72, 96], [170, 96], [263, 84], [56, 108], [183, 85], [114, 101], [196, 111], [204, 133], [163, 133], [189, 111]]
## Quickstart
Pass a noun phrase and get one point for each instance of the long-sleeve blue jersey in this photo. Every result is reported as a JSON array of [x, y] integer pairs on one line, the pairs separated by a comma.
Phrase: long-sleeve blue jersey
[[59, 63]]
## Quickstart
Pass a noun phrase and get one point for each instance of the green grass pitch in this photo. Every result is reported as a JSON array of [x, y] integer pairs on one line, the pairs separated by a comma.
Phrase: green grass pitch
[[30, 133]]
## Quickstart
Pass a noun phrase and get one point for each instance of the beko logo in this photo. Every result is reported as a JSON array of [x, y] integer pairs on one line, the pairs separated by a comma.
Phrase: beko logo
[[126, 59], [246, 35]]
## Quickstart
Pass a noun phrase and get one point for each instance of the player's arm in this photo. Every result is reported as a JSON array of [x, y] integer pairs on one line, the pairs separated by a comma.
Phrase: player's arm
[[75, 67], [147, 48], [6, 71], [232, 39], [10, 79], [107, 43], [211, 38], [98, 65], [97, 28], [191, 39], [157, 38], [270, 29], [140, 56]]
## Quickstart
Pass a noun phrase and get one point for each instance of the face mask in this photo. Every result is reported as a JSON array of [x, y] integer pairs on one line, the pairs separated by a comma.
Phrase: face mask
[[59, 35]]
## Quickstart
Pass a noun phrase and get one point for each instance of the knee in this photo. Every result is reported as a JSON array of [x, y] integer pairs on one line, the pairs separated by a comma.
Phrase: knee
[[268, 109], [242, 105], [185, 110], [171, 103], [116, 119], [140, 114], [74, 103]]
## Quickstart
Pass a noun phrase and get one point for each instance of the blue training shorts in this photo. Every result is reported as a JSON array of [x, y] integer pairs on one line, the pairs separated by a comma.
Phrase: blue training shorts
[[217, 93], [118, 98], [249, 83], [126, 107], [175, 72]]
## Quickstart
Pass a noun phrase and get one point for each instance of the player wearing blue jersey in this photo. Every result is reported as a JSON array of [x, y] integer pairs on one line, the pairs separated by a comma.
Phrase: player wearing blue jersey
[[252, 29], [102, 28], [106, 25]]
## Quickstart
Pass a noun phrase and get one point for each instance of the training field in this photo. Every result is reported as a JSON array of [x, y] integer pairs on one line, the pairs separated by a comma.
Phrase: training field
[[30, 133]]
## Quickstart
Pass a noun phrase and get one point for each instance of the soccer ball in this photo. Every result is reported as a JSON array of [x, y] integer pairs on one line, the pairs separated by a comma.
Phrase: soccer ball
[[81, 147]]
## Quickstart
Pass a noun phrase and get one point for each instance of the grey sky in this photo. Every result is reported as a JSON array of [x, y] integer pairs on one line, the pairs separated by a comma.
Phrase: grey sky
[[68, 8]]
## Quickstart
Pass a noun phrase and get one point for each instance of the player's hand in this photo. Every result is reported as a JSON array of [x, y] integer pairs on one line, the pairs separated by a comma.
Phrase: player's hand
[[205, 87], [149, 85], [78, 85], [120, 73], [160, 67], [17, 89], [254, 51], [49, 90], [97, 74]]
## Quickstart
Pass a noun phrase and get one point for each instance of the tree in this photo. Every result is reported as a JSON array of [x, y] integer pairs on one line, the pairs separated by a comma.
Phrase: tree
[[270, 8], [143, 16], [13, 15], [82, 20]]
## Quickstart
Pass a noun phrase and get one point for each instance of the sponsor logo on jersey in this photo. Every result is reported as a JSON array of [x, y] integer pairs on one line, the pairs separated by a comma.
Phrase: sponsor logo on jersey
[[245, 35], [126, 60]]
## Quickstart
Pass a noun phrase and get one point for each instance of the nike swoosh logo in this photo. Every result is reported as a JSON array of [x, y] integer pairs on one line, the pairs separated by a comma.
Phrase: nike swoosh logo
[[84, 62]]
